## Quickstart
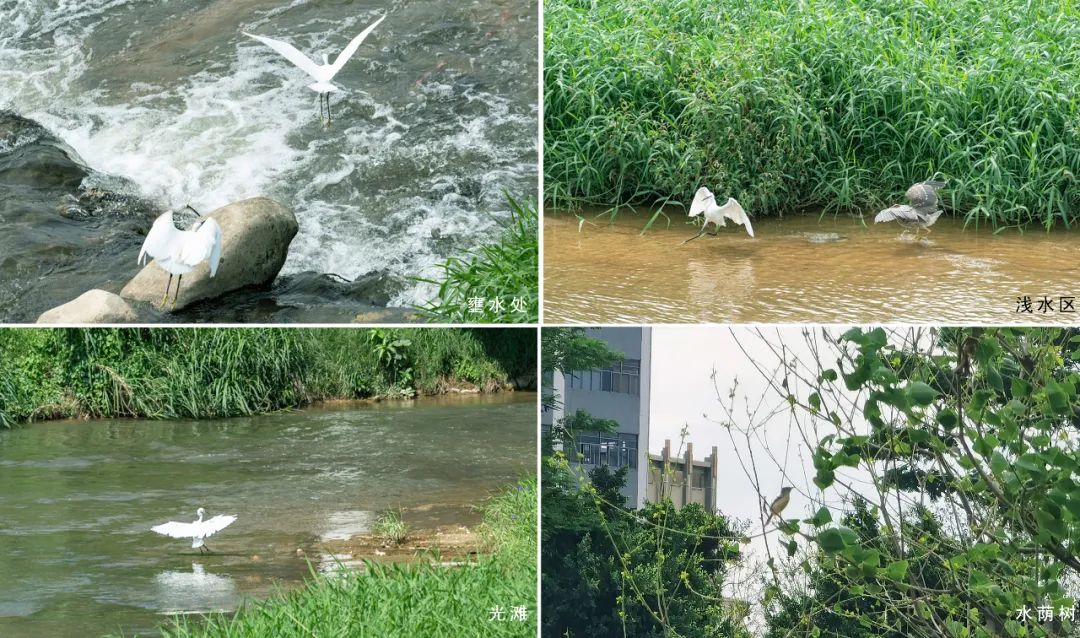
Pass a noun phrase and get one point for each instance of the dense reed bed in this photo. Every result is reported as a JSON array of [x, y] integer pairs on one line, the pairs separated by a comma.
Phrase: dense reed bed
[[210, 372], [837, 104], [424, 599]]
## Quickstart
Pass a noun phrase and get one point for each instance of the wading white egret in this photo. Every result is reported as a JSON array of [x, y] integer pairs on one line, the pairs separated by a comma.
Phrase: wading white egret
[[705, 202], [323, 73], [177, 252], [923, 211], [198, 530]]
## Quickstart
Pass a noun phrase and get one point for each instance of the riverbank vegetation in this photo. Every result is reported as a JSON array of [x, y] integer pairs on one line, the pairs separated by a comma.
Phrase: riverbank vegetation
[[503, 275], [423, 599], [825, 104], [213, 372], [940, 499]]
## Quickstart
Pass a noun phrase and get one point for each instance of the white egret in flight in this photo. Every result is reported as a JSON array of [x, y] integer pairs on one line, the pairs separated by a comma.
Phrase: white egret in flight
[[705, 202], [198, 530], [323, 73], [923, 211], [178, 252]]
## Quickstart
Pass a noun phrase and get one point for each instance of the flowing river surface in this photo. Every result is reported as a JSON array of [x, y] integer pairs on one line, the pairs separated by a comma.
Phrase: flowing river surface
[[436, 122], [802, 269], [79, 497]]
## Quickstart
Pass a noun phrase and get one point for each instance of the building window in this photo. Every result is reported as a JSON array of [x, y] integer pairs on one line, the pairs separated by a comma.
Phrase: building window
[[623, 377], [612, 449]]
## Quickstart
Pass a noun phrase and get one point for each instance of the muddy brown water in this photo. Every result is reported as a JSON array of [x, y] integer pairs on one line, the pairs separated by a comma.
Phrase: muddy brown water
[[77, 557], [800, 269]]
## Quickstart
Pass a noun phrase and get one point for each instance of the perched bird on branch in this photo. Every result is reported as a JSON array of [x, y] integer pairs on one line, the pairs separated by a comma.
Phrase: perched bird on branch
[[779, 503]]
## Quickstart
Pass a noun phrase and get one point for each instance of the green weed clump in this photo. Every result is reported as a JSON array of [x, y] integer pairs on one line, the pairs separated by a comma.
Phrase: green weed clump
[[391, 528], [423, 599], [496, 274], [837, 104], [214, 372]]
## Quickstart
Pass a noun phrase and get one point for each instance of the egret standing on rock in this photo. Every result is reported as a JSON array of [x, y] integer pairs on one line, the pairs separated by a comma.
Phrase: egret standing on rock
[[197, 530], [177, 252], [705, 202], [923, 211], [324, 73]]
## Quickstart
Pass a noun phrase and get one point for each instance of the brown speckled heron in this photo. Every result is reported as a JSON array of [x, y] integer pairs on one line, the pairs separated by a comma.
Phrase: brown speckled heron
[[921, 213]]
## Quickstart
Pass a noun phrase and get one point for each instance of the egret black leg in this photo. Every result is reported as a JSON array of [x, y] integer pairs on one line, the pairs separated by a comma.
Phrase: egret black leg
[[177, 294], [329, 118], [700, 233], [166, 297]]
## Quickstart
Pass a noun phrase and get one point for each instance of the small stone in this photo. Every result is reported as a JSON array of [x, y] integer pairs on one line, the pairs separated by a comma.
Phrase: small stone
[[94, 306]]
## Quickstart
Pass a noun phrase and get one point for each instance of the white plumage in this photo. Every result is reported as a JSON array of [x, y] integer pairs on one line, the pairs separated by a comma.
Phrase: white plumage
[[705, 202], [197, 530], [178, 252], [322, 73]]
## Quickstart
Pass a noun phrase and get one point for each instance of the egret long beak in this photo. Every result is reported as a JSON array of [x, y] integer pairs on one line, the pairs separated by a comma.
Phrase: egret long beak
[[192, 208]]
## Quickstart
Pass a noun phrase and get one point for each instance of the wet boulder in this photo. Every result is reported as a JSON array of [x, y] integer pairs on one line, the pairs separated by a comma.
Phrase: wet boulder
[[67, 228], [95, 306], [256, 234]]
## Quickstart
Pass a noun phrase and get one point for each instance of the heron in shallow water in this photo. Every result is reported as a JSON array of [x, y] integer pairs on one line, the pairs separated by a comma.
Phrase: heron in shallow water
[[197, 530], [923, 211], [705, 203]]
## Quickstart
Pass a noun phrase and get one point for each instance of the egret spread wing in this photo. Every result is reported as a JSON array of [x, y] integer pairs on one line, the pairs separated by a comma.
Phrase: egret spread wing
[[160, 240], [214, 525], [348, 51], [290, 53], [204, 243], [702, 198], [733, 210], [900, 211], [176, 529]]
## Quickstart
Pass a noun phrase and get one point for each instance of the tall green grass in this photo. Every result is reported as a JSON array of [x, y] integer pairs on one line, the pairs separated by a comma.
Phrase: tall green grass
[[214, 372], [838, 104], [504, 270], [423, 599]]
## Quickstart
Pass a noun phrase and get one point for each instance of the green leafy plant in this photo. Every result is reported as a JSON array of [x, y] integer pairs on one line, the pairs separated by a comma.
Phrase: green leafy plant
[[494, 276], [391, 528], [392, 353]]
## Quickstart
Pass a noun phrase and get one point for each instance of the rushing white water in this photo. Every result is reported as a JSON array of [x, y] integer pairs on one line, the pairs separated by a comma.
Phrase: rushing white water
[[437, 121]]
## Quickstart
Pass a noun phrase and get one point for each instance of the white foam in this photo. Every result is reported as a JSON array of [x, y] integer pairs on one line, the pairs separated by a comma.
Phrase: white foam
[[247, 125]]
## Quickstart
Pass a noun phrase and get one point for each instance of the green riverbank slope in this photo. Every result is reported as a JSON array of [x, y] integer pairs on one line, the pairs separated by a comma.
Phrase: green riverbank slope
[[839, 104], [223, 372]]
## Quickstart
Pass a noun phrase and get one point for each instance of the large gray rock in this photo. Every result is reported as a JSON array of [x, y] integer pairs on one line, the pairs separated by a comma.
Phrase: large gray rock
[[95, 306], [256, 234]]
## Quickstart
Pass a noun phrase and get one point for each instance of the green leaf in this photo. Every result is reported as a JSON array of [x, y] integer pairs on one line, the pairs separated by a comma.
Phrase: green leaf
[[897, 571], [948, 418], [921, 394], [998, 464], [831, 541], [822, 517], [1058, 398]]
